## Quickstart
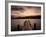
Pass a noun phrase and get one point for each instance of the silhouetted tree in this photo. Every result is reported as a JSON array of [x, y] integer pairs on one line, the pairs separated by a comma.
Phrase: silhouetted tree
[[27, 25]]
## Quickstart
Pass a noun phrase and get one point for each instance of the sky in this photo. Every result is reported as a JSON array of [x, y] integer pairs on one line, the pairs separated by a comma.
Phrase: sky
[[22, 11]]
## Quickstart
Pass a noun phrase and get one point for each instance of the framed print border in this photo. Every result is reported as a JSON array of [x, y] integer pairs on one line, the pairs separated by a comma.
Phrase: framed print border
[[7, 12], [20, 32]]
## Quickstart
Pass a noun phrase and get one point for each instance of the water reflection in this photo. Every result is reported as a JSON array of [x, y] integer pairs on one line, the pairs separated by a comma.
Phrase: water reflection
[[25, 24]]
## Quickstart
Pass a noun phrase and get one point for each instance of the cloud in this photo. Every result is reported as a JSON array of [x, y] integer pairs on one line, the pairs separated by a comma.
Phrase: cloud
[[26, 11]]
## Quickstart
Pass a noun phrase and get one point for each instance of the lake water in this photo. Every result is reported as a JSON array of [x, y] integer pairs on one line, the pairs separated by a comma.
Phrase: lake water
[[15, 22]]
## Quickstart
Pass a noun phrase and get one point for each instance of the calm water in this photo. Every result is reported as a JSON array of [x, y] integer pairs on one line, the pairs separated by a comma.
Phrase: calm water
[[15, 22]]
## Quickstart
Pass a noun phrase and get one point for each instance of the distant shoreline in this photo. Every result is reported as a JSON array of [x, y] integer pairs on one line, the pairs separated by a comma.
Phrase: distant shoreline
[[27, 17]]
